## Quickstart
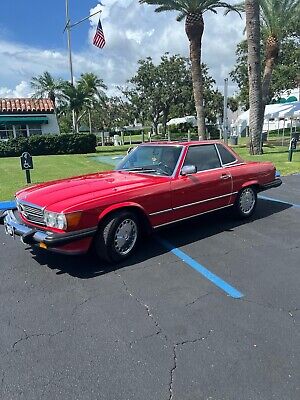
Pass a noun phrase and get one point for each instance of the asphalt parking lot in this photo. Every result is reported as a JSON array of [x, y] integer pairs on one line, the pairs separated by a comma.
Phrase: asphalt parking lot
[[156, 327]]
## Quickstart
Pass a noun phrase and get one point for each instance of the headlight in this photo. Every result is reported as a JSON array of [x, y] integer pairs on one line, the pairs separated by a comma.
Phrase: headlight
[[62, 221], [54, 220]]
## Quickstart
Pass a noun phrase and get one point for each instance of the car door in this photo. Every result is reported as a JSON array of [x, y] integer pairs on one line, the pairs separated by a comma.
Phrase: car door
[[208, 189]]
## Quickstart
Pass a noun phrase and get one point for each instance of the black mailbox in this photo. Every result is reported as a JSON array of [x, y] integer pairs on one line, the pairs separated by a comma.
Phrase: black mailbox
[[26, 161]]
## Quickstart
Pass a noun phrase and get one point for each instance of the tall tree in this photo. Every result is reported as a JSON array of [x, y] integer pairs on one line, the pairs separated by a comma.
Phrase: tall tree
[[279, 21], [46, 85], [159, 92], [192, 11], [285, 75], [94, 87], [278, 18], [256, 116], [77, 99], [92, 84]]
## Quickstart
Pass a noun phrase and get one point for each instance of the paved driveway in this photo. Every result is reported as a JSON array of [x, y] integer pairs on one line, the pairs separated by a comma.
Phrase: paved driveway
[[155, 328]]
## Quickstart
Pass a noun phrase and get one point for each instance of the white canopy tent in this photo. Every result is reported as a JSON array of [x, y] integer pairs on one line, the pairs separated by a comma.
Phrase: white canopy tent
[[190, 119], [277, 116]]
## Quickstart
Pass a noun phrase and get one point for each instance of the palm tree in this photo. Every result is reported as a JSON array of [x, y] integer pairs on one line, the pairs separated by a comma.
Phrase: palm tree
[[192, 11], [254, 73], [46, 86], [82, 97], [278, 18], [94, 87], [77, 100]]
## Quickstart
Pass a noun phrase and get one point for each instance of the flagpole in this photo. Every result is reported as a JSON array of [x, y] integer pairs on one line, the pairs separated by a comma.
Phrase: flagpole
[[84, 19], [68, 29]]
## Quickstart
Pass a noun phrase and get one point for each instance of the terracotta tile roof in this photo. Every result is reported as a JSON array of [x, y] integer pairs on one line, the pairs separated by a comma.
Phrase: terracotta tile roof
[[8, 106]]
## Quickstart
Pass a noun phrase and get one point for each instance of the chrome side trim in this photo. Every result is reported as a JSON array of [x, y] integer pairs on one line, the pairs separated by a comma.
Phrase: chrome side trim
[[231, 164], [161, 212], [219, 155], [204, 201], [192, 216], [178, 163]]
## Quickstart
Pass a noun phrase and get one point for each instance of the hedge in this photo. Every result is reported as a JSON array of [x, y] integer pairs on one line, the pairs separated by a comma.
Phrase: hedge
[[49, 144]]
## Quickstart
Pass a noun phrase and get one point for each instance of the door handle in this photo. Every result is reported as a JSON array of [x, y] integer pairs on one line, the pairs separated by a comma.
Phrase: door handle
[[225, 176]]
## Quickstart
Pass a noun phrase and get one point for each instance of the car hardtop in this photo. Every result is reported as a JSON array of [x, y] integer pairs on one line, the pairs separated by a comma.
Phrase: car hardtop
[[195, 143], [178, 143]]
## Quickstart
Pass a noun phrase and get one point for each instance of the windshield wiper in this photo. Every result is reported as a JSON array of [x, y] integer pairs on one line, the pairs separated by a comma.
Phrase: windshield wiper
[[139, 169], [158, 170]]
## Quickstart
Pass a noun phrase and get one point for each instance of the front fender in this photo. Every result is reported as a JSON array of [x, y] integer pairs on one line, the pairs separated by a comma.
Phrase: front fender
[[115, 207]]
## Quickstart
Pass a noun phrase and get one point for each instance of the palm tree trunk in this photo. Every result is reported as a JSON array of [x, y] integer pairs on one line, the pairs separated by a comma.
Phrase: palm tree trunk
[[90, 121], [165, 119], [195, 56], [256, 117], [194, 28], [269, 67], [272, 52]]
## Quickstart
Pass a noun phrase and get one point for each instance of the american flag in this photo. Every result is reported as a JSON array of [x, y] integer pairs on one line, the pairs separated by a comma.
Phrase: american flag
[[99, 39]]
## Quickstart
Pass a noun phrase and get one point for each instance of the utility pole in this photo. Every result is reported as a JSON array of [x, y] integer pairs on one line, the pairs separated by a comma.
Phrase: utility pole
[[68, 28], [225, 112]]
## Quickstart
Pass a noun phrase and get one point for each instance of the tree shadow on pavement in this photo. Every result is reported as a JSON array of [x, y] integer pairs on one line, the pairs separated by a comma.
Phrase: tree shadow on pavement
[[186, 232]]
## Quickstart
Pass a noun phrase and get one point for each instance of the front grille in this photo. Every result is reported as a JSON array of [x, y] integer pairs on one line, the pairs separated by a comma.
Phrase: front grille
[[32, 213]]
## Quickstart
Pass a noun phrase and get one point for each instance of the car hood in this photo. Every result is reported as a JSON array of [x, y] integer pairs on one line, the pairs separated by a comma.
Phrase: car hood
[[67, 194]]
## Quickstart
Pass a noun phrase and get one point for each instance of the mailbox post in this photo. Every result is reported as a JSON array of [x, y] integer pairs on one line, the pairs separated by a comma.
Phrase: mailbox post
[[293, 146], [27, 165]]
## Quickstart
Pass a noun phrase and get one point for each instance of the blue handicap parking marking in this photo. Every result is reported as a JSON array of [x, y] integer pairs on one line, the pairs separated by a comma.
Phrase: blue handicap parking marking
[[279, 201], [216, 280], [7, 205]]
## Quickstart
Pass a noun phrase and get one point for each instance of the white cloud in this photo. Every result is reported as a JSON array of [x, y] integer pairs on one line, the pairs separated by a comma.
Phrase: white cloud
[[21, 90], [132, 32]]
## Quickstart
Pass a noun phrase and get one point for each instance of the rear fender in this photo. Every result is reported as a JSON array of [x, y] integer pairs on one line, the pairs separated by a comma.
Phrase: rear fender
[[250, 183]]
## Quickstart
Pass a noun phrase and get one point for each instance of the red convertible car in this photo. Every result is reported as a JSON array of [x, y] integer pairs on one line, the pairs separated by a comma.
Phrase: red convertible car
[[155, 185]]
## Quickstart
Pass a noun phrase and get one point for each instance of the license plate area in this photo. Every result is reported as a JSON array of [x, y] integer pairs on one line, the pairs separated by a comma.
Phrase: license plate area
[[9, 230]]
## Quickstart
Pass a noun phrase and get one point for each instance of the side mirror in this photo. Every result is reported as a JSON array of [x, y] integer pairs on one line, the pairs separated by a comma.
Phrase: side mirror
[[188, 170]]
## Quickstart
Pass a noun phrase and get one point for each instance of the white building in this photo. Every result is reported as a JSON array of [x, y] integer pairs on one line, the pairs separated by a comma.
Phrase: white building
[[26, 117]]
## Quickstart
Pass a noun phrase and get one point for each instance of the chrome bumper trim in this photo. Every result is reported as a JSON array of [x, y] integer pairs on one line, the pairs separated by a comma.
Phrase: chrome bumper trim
[[13, 226]]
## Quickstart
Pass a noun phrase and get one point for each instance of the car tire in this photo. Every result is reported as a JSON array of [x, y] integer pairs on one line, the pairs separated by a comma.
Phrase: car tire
[[117, 237], [245, 203]]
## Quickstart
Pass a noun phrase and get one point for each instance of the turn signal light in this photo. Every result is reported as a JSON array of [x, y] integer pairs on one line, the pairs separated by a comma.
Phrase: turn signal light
[[73, 219], [43, 245]]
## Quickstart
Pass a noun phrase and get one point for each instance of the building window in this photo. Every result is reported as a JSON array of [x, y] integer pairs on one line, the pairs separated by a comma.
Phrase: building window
[[6, 132], [21, 130], [35, 129]]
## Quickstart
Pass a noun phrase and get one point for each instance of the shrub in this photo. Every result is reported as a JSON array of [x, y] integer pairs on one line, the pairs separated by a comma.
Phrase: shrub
[[49, 144]]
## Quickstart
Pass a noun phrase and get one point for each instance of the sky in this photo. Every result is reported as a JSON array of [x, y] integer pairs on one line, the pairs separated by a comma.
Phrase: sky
[[32, 41]]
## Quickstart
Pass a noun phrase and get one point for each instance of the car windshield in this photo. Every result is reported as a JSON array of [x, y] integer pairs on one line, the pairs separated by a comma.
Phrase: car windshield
[[155, 159]]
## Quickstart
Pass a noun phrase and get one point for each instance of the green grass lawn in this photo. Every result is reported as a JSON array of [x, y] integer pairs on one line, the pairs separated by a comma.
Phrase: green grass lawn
[[46, 168], [278, 155]]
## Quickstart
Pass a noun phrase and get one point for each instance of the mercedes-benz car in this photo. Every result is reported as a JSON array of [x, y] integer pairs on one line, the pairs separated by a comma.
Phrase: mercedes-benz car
[[155, 185]]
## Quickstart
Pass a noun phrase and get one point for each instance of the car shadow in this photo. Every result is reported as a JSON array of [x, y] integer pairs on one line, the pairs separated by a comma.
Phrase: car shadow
[[186, 232]]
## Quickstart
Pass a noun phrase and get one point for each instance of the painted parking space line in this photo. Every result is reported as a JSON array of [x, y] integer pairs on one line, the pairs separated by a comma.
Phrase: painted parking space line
[[279, 201], [6, 205], [216, 280]]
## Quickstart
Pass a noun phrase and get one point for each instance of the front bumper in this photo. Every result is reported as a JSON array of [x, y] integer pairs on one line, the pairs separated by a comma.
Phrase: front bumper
[[277, 182], [15, 226]]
